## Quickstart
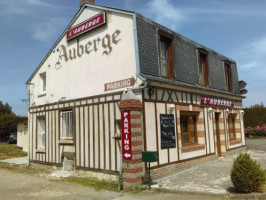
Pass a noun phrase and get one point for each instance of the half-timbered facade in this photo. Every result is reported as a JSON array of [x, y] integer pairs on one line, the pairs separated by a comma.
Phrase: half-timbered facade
[[104, 52]]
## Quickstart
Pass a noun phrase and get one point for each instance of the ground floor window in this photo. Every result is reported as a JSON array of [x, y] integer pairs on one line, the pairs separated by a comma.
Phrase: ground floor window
[[231, 127], [41, 134], [188, 123], [66, 125]]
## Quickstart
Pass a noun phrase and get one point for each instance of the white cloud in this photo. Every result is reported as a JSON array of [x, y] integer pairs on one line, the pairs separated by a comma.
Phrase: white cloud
[[38, 3], [45, 31], [251, 61], [253, 55], [249, 65], [129, 4], [255, 95], [25, 7], [164, 13], [259, 46], [173, 14]]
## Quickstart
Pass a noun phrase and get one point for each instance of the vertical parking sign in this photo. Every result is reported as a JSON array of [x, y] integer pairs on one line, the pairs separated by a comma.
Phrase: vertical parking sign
[[126, 135]]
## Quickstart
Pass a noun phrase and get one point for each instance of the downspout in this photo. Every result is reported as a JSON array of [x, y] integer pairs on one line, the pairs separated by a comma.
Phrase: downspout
[[137, 57], [28, 84], [134, 88]]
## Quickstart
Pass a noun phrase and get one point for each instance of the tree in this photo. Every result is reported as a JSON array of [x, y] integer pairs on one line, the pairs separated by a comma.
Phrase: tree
[[255, 115], [8, 121], [246, 174], [8, 124], [5, 109]]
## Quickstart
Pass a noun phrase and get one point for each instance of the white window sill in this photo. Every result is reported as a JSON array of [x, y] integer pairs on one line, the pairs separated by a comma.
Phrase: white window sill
[[66, 141], [40, 151], [42, 94]]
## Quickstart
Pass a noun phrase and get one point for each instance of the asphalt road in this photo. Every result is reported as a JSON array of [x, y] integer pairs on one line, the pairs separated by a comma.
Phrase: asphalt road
[[23, 186]]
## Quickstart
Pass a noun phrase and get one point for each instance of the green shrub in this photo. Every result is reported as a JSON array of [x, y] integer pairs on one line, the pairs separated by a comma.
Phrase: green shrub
[[246, 174]]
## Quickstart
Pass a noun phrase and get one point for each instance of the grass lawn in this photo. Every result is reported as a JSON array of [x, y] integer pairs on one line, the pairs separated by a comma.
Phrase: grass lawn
[[10, 151], [93, 182]]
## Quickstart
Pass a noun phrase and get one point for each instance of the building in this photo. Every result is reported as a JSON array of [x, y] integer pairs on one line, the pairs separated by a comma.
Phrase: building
[[185, 100], [23, 135]]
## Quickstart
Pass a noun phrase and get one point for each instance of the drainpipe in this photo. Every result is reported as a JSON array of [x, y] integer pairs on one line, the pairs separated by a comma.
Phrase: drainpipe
[[137, 57], [120, 168], [134, 88], [28, 84], [140, 87]]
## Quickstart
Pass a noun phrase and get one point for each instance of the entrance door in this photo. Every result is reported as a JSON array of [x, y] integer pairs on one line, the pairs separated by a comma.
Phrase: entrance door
[[218, 134]]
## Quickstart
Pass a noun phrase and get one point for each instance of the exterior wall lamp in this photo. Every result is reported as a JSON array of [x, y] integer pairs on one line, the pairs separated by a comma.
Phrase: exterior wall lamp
[[25, 128], [25, 125], [171, 108], [62, 99], [210, 111], [226, 113], [242, 112], [150, 91]]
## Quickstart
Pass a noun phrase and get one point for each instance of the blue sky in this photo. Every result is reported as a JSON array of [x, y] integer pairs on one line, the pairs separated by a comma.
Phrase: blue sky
[[234, 28]]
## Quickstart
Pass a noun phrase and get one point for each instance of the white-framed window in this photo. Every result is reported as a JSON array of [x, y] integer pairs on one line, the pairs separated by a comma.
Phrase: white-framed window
[[43, 82], [166, 57], [66, 125], [188, 122], [41, 134], [231, 127]]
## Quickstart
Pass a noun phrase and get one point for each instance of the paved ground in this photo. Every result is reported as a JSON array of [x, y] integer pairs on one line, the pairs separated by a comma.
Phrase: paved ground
[[26, 187], [18, 161], [20, 186], [212, 177], [209, 182]]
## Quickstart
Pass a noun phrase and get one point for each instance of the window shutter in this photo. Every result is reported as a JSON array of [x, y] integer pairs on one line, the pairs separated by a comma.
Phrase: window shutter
[[171, 68]]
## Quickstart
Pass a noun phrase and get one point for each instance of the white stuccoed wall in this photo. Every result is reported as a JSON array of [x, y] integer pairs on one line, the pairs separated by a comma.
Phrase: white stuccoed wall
[[22, 136], [86, 75]]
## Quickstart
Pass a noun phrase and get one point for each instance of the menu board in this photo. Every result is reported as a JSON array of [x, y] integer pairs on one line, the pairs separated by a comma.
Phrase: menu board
[[168, 139]]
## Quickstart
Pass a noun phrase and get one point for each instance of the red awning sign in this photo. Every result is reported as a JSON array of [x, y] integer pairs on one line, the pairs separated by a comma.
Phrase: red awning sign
[[216, 102], [126, 135], [87, 25]]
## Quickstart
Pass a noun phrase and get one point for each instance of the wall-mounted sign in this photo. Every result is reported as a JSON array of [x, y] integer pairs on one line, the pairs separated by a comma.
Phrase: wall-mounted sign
[[88, 25], [216, 102], [103, 45], [126, 135], [167, 131], [119, 84]]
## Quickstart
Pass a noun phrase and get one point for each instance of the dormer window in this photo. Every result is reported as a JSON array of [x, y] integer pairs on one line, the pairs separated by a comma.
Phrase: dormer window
[[228, 76], [203, 67], [166, 55]]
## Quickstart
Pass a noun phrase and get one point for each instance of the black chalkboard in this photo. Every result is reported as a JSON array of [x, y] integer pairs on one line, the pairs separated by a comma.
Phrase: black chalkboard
[[167, 131]]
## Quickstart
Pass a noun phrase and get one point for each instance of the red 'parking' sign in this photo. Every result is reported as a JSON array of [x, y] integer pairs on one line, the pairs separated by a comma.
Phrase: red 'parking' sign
[[126, 135]]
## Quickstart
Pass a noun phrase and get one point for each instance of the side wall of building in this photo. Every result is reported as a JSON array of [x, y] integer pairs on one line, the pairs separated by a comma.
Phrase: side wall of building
[[183, 156], [95, 122], [86, 65], [23, 135]]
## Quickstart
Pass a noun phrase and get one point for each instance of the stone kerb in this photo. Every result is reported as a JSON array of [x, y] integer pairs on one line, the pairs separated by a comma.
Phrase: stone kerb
[[133, 170]]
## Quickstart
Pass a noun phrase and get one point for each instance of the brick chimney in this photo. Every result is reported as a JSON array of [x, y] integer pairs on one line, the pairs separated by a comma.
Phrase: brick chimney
[[82, 2]]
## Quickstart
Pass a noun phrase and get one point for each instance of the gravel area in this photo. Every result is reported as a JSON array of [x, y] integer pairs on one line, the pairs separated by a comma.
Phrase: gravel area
[[209, 181]]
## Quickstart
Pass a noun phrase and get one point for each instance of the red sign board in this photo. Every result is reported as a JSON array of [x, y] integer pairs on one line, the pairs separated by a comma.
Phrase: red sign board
[[119, 84], [216, 102], [126, 135], [87, 25]]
